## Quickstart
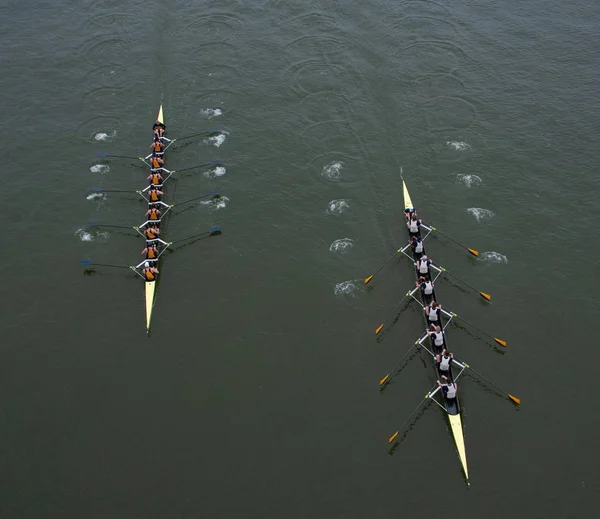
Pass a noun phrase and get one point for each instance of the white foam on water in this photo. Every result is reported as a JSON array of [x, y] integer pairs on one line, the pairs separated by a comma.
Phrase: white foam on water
[[469, 180], [480, 213], [103, 169], [84, 235], [493, 257], [337, 206], [333, 171], [217, 171], [343, 245], [211, 112], [101, 136], [347, 288], [216, 204], [218, 139], [459, 145], [95, 196]]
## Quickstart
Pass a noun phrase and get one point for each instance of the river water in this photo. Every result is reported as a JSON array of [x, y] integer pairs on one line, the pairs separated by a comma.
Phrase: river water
[[256, 394]]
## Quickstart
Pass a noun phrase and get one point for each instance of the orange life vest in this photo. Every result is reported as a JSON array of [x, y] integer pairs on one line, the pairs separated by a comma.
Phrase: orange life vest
[[149, 275]]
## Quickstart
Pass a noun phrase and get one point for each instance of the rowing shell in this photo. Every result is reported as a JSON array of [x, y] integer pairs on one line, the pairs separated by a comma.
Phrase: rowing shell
[[451, 406]]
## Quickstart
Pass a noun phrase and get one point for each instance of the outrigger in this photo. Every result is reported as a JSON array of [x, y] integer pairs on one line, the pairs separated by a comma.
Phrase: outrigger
[[151, 229], [428, 273]]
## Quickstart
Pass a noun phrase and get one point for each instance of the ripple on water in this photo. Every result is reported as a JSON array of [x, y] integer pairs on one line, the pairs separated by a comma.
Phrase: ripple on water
[[106, 96], [427, 57], [493, 257], [332, 171], [217, 171], [101, 169], [449, 113], [101, 49], [469, 180], [99, 129], [348, 288], [458, 145], [315, 75], [324, 106], [112, 20], [342, 246], [216, 204], [337, 206], [106, 75], [480, 213], [317, 45], [215, 27], [331, 135]]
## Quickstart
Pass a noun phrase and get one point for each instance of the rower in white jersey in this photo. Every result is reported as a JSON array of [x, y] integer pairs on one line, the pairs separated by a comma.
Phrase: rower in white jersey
[[426, 286], [443, 363], [436, 335], [413, 224], [432, 311], [416, 244], [448, 388], [423, 265]]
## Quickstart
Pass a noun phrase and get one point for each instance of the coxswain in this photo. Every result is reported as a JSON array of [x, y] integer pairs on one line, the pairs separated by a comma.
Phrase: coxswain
[[149, 272], [153, 213], [155, 178], [159, 129], [448, 388], [156, 162], [155, 194], [443, 363], [423, 265], [432, 310], [426, 286], [152, 233], [413, 224], [151, 251], [436, 335], [158, 148], [416, 244]]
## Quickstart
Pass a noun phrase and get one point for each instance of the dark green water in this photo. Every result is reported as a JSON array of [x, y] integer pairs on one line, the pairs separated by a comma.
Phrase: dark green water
[[256, 394]]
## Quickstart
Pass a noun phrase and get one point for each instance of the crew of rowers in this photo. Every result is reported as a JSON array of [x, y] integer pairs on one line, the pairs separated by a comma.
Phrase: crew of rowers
[[443, 360], [154, 196]]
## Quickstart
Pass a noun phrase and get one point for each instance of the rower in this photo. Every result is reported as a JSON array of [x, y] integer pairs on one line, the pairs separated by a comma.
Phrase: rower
[[416, 244], [436, 335], [155, 178], [423, 265], [153, 213], [158, 148], [432, 310], [426, 286], [152, 233], [156, 162], [159, 129], [151, 252], [413, 224], [449, 389], [149, 272], [443, 363], [154, 194]]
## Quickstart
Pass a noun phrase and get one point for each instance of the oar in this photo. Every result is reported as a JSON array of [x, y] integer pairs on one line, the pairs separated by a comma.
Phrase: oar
[[214, 194], [213, 231], [210, 130], [98, 224], [472, 251], [100, 190], [512, 397], [102, 154], [380, 327], [499, 341], [212, 163], [488, 297], [382, 266], [90, 262], [387, 378], [427, 396]]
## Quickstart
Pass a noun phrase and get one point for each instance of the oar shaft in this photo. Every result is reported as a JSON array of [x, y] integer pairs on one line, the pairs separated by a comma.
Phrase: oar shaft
[[198, 198], [382, 266], [499, 341], [210, 130], [199, 166], [408, 294]]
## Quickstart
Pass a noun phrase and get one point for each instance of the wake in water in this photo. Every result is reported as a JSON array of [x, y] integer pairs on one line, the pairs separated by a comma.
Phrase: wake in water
[[102, 169], [342, 245], [333, 171], [101, 136], [85, 235], [211, 112], [337, 206], [96, 196], [469, 180], [218, 139], [348, 288], [459, 145], [215, 204], [217, 171], [493, 257], [479, 213]]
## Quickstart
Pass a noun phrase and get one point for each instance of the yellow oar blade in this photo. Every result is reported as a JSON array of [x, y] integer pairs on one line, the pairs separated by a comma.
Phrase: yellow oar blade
[[384, 379], [368, 279], [500, 342], [393, 437], [485, 296], [378, 329], [473, 251], [514, 399]]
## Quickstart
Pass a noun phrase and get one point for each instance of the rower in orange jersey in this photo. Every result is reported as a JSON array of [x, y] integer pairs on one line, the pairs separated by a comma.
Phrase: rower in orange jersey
[[151, 252], [149, 272], [156, 162], [154, 194], [152, 233], [153, 213], [158, 147], [155, 178]]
